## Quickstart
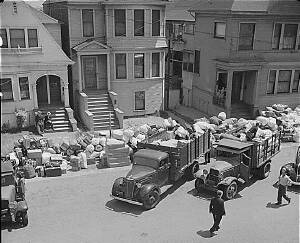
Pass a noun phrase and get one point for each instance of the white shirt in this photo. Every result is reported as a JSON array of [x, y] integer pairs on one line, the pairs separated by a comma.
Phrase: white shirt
[[284, 181]]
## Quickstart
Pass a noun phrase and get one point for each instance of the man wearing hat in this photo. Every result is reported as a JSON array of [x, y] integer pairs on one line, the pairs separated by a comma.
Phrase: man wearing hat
[[217, 209], [283, 182]]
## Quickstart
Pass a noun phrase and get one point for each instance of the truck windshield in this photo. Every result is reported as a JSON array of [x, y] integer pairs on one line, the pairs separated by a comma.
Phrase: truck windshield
[[227, 156], [146, 162]]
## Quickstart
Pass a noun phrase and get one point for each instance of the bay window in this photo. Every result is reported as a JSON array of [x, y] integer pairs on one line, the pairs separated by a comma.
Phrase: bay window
[[139, 22], [32, 38], [24, 88], [120, 22], [3, 35], [6, 89], [155, 64], [155, 22], [139, 65], [284, 36], [121, 69], [17, 38]]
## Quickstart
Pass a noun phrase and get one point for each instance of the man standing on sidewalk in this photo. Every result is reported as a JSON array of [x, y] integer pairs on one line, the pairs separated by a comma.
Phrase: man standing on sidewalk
[[217, 209], [283, 182]]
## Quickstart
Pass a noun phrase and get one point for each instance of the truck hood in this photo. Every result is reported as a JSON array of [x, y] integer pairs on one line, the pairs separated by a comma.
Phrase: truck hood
[[139, 171], [8, 193]]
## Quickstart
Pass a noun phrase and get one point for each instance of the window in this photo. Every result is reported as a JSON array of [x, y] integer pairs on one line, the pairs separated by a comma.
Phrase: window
[[289, 36], [121, 69], [284, 79], [276, 36], [219, 30], [197, 62], [246, 36], [17, 38], [284, 36], [120, 22], [296, 81], [271, 83], [189, 28], [155, 64], [155, 23], [88, 22], [32, 38], [6, 89], [3, 36], [139, 100], [24, 88], [138, 22], [138, 65], [188, 61]]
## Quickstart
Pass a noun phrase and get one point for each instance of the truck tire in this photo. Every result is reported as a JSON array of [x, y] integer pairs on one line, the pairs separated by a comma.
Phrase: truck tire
[[24, 219], [198, 183], [151, 199], [115, 186], [190, 171], [264, 170], [229, 191]]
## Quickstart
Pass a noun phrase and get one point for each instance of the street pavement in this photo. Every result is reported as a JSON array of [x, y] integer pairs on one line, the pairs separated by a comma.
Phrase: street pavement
[[77, 208]]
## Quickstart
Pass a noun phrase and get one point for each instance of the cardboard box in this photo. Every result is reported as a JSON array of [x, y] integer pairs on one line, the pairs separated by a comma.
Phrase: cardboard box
[[91, 161], [34, 154], [56, 158], [53, 171]]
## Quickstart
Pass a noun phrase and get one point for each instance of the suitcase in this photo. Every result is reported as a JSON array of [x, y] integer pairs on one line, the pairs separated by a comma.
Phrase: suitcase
[[64, 146], [53, 171], [29, 171], [91, 161], [70, 151], [56, 158], [34, 153]]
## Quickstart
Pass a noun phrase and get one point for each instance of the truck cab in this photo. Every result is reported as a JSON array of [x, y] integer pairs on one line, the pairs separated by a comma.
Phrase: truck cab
[[235, 162]]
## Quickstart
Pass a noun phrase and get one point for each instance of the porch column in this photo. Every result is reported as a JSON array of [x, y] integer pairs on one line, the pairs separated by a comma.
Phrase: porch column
[[66, 94], [79, 73], [35, 102], [108, 70], [228, 92], [48, 88]]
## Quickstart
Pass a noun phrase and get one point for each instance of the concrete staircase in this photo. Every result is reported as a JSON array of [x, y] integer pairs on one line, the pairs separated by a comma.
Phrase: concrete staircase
[[99, 104], [241, 111], [59, 118]]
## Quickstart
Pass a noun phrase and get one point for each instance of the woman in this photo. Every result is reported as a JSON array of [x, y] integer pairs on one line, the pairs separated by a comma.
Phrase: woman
[[47, 121]]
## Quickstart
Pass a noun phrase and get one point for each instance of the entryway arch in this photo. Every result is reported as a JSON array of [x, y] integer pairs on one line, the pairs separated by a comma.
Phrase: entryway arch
[[49, 91]]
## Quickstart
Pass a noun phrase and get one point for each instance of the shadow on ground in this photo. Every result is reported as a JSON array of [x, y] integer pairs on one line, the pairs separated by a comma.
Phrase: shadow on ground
[[124, 207], [10, 226], [172, 188], [205, 233], [207, 195], [274, 205]]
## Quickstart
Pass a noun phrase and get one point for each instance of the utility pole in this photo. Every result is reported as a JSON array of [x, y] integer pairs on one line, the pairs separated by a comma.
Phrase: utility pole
[[167, 88]]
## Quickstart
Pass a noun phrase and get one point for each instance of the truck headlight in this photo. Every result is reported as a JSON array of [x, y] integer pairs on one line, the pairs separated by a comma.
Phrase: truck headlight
[[12, 206]]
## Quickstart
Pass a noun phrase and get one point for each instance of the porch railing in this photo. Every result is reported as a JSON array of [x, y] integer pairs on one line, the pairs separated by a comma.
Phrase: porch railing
[[119, 113], [85, 115]]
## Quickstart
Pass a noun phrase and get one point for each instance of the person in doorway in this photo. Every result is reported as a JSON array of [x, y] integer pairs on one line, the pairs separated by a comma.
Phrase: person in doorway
[[283, 182], [217, 209], [47, 121]]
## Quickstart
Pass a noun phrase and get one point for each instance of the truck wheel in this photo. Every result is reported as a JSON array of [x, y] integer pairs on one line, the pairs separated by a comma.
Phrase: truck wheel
[[265, 170], [230, 190], [116, 185], [24, 219], [198, 183], [151, 199], [190, 171]]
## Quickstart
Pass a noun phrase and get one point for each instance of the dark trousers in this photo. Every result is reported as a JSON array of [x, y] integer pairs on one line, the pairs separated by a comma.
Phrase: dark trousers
[[282, 194], [217, 220]]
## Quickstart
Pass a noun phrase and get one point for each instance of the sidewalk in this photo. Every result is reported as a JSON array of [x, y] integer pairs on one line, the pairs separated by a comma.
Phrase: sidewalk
[[186, 114]]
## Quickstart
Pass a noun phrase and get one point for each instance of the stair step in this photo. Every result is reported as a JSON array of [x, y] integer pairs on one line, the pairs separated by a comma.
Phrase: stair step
[[100, 103], [62, 129], [57, 122], [104, 123], [102, 115], [97, 120], [104, 109]]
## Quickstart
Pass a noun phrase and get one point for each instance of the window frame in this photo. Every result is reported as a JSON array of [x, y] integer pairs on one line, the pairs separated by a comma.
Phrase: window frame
[[269, 75], [159, 27], [37, 37], [126, 66], [253, 39], [198, 63], [114, 20], [280, 45], [82, 25], [10, 39], [292, 82], [19, 79], [12, 90], [134, 100], [215, 28], [6, 35], [185, 29], [188, 66], [144, 66], [134, 23], [159, 65], [289, 82]]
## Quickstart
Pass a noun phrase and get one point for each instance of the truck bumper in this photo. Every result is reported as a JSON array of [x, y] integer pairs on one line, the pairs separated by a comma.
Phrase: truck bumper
[[126, 200]]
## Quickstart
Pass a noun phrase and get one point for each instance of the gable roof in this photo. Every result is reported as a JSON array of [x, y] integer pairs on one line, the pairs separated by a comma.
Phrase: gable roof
[[91, 45], [44, 18]]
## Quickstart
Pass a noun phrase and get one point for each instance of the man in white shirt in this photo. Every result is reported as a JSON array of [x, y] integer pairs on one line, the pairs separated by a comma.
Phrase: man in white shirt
[[283, 182]]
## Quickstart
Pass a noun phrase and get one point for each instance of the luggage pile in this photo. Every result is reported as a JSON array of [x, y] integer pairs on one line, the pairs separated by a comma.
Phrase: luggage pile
[[288, 120], [117, 153]]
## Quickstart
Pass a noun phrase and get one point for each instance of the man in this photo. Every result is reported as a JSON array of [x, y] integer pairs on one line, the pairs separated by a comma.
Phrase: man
[[252, 132], [217, 209], [283, 182], [47, 121]]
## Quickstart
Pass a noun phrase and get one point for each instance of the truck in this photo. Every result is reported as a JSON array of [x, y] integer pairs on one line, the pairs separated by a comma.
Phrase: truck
[[156, 165], [13, 204], [235, 163], [293, 168]]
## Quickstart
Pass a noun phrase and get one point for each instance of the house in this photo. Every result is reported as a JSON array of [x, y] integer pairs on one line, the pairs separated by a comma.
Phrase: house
[[180, 29], [33, 70], [249, 53], [118, 47]]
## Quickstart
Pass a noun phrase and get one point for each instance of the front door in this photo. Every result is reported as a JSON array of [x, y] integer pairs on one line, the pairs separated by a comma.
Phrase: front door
[[236, 87], [55, 92], [90, 72], [42, 93]]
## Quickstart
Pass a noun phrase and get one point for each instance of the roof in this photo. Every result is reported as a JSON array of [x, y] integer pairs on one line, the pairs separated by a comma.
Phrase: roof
[[8, 193], [233, 144], [44, 18], [178, 10], [6, 167], [288, 7], [151, 154]]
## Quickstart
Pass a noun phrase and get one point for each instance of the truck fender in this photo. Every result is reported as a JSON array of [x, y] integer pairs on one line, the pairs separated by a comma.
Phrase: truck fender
[[22, 206], [147, 188], [227, 181]]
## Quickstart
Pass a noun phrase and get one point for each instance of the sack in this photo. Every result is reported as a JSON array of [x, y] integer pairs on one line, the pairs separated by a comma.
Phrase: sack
[[90, 148], [222, 116], [95, 141], [117, 134], [29, 171], [46, 157], [83, 160]]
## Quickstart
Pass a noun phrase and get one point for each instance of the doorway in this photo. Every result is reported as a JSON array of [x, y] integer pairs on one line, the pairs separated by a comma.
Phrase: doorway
[[89, 64]]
